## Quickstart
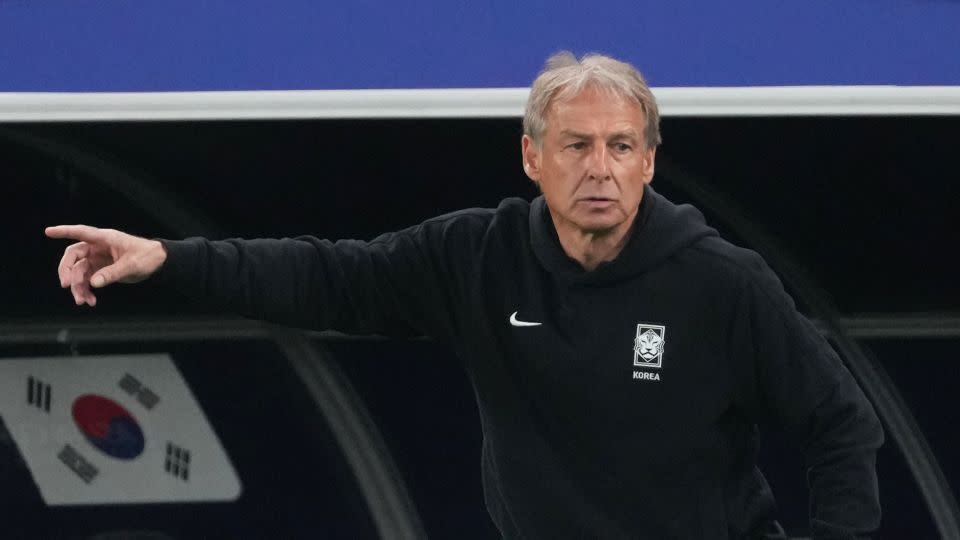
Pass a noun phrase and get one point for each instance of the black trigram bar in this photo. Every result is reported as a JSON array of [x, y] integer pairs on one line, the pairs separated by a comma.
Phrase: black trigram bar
[[78, 464], [177, 461], [38, 393]]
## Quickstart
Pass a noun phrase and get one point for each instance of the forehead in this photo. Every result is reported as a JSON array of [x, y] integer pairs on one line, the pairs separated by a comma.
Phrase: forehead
[[593, 110]]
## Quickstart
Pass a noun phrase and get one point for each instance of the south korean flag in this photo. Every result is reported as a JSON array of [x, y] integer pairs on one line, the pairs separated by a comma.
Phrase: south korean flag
[[113, 430]]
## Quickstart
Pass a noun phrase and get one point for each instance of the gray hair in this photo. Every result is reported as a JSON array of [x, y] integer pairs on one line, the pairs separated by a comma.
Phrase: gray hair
[[563, 77]]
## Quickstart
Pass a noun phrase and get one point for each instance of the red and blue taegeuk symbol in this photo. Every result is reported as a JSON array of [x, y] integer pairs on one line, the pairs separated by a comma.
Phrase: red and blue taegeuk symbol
[[108, 426]]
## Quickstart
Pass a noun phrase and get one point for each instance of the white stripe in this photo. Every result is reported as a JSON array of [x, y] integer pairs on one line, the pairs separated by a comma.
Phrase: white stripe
[[466, 103]]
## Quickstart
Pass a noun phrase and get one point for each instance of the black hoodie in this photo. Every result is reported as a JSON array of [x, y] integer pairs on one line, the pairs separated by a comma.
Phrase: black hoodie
[[616, 403]]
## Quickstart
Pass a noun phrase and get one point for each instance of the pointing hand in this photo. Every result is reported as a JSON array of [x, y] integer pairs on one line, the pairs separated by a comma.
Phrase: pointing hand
[[103, 256]]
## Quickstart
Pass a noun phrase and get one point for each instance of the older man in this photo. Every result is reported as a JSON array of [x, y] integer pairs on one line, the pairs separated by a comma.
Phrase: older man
[[621, 351]]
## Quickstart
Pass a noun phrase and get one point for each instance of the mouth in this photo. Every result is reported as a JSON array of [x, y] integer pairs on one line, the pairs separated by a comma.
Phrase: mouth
[[597, 201]]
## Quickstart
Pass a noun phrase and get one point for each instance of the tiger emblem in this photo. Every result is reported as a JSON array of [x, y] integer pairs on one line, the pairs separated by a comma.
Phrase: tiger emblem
[[648, 345]]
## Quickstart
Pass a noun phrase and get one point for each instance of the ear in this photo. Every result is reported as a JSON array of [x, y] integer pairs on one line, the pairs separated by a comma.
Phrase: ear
[[649, 159], [531, 158]]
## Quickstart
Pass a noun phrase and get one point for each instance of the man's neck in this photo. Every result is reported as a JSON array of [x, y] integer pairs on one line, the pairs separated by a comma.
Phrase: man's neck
[[591, 249]]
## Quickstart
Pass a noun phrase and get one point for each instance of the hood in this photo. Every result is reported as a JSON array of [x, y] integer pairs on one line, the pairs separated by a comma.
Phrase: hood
[[661, 229]]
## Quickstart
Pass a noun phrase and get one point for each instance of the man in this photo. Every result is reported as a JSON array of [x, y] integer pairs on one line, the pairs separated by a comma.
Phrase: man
[[622, 353]]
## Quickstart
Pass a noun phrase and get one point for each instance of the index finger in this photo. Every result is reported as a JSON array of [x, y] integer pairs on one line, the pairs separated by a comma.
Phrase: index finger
[[84, 233]]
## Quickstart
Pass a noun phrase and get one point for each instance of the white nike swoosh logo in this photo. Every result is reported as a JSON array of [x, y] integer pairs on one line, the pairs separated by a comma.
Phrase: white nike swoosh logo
[[515, 322]]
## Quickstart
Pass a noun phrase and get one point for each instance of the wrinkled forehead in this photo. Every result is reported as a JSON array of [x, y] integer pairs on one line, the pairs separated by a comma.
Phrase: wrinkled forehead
[[593, 101]]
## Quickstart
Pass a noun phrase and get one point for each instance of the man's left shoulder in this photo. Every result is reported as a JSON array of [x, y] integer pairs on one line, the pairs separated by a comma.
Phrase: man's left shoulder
[[717, 255], [740, 269]]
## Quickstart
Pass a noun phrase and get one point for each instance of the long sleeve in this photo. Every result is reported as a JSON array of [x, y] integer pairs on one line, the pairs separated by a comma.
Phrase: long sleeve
[[796, 381], [399, 283]]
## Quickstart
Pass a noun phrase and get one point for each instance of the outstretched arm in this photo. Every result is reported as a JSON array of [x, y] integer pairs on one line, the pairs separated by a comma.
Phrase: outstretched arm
[[403, 282]]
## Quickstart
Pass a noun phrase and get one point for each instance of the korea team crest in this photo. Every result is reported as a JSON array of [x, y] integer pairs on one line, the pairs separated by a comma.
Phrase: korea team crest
[[648, 345]]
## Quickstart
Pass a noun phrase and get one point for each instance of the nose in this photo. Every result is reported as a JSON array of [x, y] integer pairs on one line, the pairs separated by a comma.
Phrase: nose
[[598, 166]]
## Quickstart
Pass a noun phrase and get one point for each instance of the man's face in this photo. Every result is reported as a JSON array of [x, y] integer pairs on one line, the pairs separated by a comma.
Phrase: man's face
[[593, 163]]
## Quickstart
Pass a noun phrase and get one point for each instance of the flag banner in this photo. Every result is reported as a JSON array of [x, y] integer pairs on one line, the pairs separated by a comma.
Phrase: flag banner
[[118, 429]]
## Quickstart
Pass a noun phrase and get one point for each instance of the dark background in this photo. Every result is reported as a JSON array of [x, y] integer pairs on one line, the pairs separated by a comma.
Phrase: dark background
[[866, 205]]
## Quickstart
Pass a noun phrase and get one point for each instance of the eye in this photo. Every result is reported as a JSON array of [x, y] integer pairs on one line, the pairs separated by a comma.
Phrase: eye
[[622, 147], [579, 145]]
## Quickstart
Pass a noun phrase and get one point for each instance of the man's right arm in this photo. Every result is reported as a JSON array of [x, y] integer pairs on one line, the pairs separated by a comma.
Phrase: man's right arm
[[402, 282], [389, 284]]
